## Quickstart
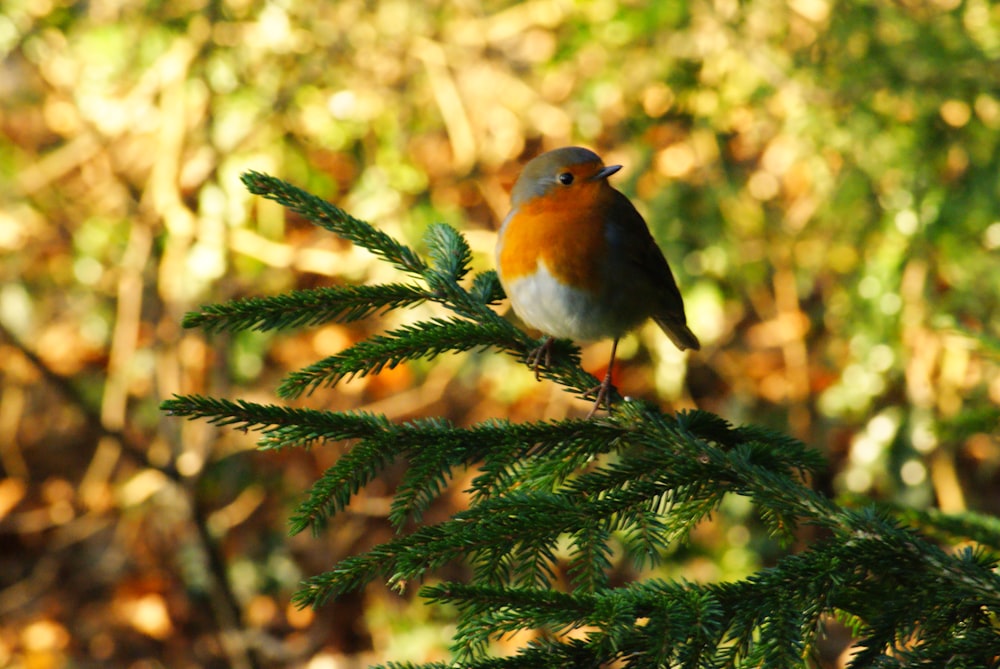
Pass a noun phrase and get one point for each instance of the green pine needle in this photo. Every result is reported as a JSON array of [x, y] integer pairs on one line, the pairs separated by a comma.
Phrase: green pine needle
[[411, 342], [301, 308], [449, 251], [336, 220]]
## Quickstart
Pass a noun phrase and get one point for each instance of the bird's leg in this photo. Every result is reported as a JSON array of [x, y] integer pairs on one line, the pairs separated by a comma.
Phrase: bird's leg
[[603, 391], [534, 358]]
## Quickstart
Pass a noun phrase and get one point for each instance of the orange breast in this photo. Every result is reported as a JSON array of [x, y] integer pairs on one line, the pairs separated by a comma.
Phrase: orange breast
[[560, 231]]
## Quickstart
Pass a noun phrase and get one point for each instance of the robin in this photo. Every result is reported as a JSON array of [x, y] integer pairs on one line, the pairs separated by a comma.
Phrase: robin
[[578, 261]]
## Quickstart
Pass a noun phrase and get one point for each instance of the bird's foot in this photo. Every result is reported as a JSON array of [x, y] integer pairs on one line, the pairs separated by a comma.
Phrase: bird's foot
[[534, 358], [603, 392], [602, 395]]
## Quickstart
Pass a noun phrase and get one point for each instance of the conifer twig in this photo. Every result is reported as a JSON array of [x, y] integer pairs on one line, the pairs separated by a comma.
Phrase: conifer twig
[[554, 504]]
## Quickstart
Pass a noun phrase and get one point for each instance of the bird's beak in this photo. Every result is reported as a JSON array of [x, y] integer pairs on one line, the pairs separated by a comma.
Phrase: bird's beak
[[605, 172]]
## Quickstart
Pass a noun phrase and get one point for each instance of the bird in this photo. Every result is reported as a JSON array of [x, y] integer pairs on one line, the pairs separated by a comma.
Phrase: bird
[[578, 261]]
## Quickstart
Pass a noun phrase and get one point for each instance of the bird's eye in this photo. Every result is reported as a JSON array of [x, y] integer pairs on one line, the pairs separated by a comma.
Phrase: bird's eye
[[566, 178]]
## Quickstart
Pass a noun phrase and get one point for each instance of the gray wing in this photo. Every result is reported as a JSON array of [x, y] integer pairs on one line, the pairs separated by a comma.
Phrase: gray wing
[[650, 263]]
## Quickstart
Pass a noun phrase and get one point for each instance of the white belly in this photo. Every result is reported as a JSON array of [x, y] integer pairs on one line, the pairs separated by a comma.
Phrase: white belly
[[545, 304]]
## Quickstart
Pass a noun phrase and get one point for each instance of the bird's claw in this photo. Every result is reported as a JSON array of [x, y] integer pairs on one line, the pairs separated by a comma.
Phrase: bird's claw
[[534, 358], [602, 395]]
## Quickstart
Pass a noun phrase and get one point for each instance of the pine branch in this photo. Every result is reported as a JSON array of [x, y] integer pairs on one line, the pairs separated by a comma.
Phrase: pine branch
[[557, 499], [647, 538], [878, 535], [768, 620], [304, 308], [954, 528], [332, 493], [487, 612], [542, 456], [528, 526], [652, 476], [336, 220], [433, 448], [425, 339], [449, 251], [486, 288], [439, 449], [400, 561], [282, 426], [493, 528], [590, 553]]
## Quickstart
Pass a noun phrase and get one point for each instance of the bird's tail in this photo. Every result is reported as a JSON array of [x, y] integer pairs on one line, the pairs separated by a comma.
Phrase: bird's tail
[[679, 333]]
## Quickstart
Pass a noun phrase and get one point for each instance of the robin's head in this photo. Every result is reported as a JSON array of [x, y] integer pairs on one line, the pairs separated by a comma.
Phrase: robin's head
[[561, 173]]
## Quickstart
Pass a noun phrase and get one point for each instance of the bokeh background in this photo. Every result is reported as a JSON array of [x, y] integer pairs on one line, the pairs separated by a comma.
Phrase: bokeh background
[[823, 175]]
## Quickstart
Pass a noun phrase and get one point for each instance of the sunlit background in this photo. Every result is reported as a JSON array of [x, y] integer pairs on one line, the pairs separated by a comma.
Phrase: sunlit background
[[822, 176]]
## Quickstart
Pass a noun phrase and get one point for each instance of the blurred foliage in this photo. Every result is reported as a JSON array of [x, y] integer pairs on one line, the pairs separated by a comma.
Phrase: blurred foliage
[[822, 175]]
